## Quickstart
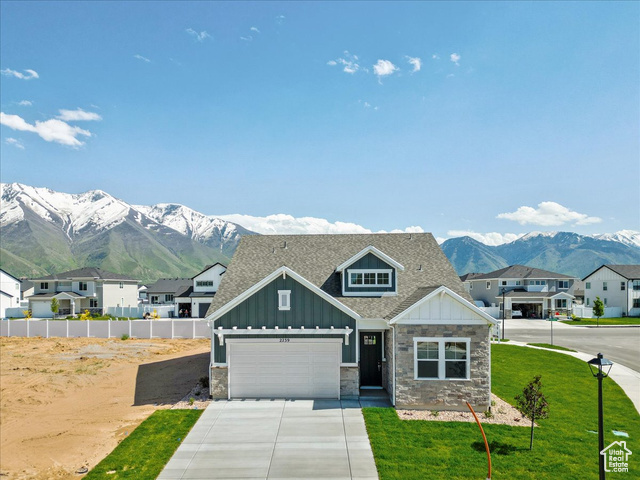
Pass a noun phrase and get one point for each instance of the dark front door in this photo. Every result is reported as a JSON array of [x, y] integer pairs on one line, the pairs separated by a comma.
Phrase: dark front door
[[370, 359]]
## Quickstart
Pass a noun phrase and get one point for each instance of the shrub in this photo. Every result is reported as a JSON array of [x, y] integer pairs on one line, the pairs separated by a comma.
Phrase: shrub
[[125, 336], [204, 382], [191, 400]]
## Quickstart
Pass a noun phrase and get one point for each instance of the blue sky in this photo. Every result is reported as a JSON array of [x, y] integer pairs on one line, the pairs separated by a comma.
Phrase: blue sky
[[479, 117]]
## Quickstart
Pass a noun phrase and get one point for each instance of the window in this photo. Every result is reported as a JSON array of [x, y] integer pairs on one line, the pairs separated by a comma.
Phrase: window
[[605, 301], [121, 285], [587, 301], [441, 358], [284, 299], [82, 286], [93, 303], [636, 303], [471, 286], [636, 284], [504, 282], [369, 278], [604, 285], [561, 303], [488, 285], [517, 282], [587, 286], [204, 283], [623, 285], [154, 298], [168, 297], [44, 285], [563, 283]]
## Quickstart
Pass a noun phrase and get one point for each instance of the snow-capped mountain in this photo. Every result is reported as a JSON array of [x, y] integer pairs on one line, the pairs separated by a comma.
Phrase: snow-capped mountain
[[627, 237]]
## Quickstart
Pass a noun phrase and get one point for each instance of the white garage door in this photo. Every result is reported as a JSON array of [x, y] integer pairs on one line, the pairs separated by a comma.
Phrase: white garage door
[[295, 368]]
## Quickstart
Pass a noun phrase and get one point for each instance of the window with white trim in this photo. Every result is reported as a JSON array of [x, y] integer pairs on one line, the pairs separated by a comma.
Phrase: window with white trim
[[82, 286], [121, 285], [636, 284], [93, 303], [168, 297], [44, 285], [488, 285], [369, 278], [284, 299], [605, 301], [604, 286], [441, 358], [204, 283], [563, 283], [588, 301], [623, 285], [636, 303], [561, 303], [587, 286]]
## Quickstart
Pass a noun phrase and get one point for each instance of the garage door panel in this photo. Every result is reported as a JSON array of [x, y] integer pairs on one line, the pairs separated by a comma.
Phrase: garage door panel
[[284, 369]]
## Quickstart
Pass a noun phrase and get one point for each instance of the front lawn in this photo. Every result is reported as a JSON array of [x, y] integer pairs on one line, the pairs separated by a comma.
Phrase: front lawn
[[604, 321], [144, 453], [564, 446]]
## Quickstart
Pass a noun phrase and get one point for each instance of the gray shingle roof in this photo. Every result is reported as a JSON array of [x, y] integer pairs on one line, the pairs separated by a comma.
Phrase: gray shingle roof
[[520, 271], [470, 276], [316, 257], [170, 285], [630, 272], [86, 272]]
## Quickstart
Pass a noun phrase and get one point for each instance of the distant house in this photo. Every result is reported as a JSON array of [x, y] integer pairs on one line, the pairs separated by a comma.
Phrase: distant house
[[191, 297], [88, 288], [9, 292], [617, 286], [528, 292]]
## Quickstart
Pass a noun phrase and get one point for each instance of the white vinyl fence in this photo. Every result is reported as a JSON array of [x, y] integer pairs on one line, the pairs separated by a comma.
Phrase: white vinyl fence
[[587, 312], [193, 328], [495, 312]]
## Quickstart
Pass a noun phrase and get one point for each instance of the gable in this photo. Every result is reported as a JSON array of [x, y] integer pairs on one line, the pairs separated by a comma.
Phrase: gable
[[368, 263]]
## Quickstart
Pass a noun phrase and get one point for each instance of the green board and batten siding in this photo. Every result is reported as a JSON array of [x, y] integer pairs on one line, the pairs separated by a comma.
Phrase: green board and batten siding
[[370, 261], [307, 309]]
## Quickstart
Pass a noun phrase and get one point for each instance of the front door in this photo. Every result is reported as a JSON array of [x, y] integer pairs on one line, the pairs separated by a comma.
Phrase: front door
[[370, 359]]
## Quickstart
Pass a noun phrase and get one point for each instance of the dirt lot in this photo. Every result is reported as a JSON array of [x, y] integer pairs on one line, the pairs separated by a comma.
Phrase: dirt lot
[[66, 403]]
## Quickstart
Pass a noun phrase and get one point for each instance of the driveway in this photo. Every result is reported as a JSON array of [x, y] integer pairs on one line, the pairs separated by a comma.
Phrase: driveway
[[618, 344], [271, 439]]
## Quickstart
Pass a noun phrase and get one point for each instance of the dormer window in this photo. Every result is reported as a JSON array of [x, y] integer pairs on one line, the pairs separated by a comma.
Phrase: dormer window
[[370, 278]]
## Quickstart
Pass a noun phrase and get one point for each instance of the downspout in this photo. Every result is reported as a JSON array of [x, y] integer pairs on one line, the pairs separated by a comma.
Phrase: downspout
[[393, 393]]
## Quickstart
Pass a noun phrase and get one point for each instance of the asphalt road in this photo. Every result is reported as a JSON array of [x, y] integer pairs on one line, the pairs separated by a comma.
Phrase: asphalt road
[[618, 344]]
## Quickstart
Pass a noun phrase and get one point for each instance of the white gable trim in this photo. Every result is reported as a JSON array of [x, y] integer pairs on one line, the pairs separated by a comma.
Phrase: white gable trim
[[446, 291], [207, 269], [370, 249], [284, 271]]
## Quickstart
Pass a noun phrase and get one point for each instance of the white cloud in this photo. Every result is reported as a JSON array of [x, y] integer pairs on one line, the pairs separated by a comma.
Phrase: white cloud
[[548, 214], [435, 56], [15, 142], [455, 58], [349, 62], [248, 38], [140, 57], [78, 115], [53, 130], [384, 68], [25, 103], [22, 76], [254, 29], [416, 62], [199, 36], [287, 224], [491, 238]]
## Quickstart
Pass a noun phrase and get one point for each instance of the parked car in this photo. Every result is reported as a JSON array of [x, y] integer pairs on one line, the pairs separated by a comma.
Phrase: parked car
[[516, 313]]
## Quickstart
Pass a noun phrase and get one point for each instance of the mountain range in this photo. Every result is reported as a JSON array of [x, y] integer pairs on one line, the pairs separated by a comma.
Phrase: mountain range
[[44, 231]]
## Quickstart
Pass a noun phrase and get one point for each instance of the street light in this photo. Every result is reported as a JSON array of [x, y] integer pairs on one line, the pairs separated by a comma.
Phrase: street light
[[503, 306], [600, 368]]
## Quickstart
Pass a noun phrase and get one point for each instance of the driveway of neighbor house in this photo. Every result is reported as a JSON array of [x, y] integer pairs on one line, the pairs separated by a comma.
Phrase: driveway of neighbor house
[[270, 439]]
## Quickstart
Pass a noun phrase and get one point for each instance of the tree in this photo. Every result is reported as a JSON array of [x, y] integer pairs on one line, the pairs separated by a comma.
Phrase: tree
[[55, 306], [532, 403], [598, 309]]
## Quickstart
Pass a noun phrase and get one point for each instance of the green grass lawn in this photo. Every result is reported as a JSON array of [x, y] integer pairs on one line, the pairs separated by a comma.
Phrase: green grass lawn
[[553, 347], [563, 447], [144, 453], [604, 321]]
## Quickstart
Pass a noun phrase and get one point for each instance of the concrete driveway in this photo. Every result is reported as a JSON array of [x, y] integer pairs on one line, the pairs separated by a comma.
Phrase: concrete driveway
[[271, 439]]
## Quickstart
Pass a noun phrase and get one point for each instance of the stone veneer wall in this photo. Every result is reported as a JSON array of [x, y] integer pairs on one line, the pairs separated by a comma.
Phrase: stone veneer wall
[[443, 394], [349, 382], [218, 382], [387, 373]]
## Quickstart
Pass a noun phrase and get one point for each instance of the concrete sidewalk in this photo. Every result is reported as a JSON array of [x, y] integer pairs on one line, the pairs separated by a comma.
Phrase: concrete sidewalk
[[276, 439], [626, 378]]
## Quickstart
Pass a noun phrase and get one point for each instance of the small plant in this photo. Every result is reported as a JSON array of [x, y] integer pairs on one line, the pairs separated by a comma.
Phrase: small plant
[[488, 413], [532, 403], [55, 306], [435, 413], [204, 382], [27, 314], [191, 400], [86, 315], [155, 315], [493, 403], [125, 336]]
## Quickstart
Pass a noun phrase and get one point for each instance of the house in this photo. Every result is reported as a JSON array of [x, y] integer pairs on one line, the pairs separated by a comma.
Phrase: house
[[191, 296], [617, 286], [87, 288], [528, 292], [9, 292], [326, 316]]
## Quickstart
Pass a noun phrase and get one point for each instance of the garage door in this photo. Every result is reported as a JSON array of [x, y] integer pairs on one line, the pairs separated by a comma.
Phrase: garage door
[[284, 368]]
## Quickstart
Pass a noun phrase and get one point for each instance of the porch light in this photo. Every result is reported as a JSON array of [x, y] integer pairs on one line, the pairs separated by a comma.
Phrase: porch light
[[600, 368]]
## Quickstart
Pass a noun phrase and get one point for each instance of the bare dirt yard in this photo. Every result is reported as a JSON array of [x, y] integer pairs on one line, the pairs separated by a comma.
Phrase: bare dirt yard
[[65, 403]]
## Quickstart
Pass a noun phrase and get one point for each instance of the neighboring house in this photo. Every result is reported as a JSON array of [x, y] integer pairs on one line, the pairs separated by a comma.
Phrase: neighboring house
[[26, 290], [83, 289], [191, 296], [324, 316], [9, 292], [528, 292], [617, 286]]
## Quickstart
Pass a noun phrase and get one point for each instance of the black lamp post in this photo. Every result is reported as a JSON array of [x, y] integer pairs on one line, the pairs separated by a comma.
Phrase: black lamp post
[[600, 368], [503, 312]]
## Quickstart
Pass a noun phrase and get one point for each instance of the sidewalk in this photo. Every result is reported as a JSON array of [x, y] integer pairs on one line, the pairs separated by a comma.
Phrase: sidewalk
[[627, 379]]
